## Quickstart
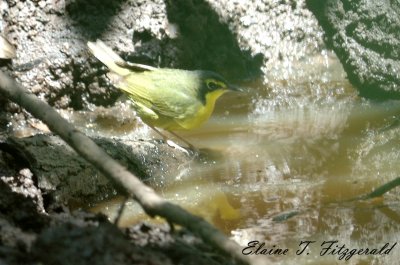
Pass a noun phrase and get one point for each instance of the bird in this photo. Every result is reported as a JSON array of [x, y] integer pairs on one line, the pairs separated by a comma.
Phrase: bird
[[164, 98]]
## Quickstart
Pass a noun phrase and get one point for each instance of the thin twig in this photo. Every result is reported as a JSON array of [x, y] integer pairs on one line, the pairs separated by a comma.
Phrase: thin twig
[[152, 203], [381, 190]]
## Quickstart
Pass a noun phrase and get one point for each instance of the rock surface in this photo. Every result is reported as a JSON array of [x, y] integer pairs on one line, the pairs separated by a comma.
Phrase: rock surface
[[366, 37], [29, 237], [64, 176]]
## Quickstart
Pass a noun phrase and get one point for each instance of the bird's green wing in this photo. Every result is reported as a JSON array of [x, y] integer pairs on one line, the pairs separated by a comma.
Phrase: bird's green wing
[[168, 92]]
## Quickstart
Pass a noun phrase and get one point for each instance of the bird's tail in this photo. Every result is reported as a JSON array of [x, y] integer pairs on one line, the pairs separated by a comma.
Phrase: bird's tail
[[108, 57]]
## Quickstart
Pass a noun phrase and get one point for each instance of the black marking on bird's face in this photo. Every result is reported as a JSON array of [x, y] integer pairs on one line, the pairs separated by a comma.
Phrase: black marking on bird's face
[[213, 84], [210, 82]]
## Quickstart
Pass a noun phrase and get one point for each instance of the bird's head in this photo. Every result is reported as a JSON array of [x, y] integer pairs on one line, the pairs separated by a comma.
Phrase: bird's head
[[213, 86]]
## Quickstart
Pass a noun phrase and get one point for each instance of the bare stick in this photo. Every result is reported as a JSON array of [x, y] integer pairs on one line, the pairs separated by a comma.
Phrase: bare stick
[[123, 179], [381, 190]]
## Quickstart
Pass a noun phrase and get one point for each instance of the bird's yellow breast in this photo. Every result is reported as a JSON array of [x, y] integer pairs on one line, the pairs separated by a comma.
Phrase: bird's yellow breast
[[203, 113]]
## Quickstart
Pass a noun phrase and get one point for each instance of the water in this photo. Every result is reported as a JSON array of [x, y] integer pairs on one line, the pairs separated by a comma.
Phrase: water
[[288, 156]]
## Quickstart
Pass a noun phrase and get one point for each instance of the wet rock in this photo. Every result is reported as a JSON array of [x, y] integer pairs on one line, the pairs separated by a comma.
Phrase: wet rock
[[365, 36], [101, 243], [280, 31], [66, 177], [23, 183], [19, 212], [31, 237]]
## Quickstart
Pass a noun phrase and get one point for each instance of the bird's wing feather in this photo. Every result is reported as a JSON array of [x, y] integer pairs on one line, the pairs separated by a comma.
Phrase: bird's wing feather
[[108, 57], [162, 92], [166, 92]]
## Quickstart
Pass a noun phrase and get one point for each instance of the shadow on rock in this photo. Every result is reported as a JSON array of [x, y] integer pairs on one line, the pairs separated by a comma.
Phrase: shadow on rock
[[181, 34], [91, 16], [207, 43]]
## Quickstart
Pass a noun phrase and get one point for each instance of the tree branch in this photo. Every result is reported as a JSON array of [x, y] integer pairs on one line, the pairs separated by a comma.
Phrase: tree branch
[[123, 179]]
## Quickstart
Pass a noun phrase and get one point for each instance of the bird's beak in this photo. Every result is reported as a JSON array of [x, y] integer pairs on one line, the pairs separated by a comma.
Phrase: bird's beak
[[236, 88]]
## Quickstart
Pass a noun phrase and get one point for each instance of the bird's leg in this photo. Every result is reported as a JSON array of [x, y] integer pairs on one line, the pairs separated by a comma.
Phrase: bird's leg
[[120, 211], [183, 140], [165, 138], [170, 142]]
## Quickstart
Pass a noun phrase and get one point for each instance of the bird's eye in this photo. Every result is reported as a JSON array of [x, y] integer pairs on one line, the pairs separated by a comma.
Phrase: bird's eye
[[213, 85]]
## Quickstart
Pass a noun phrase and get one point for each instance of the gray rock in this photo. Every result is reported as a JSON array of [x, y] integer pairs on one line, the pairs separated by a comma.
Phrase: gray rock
[[65, 176], [365, 36]]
